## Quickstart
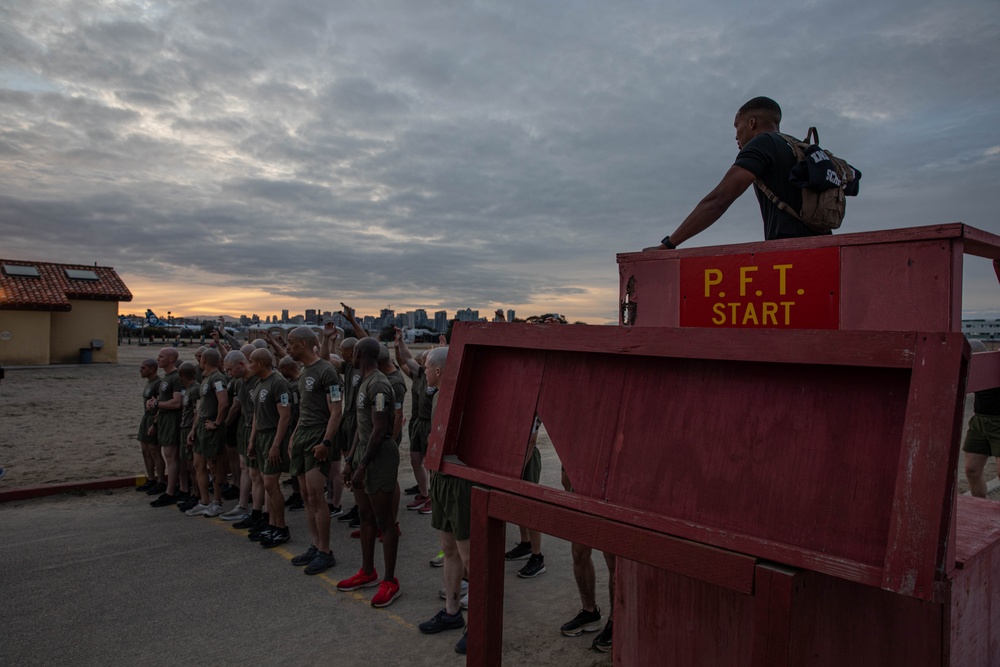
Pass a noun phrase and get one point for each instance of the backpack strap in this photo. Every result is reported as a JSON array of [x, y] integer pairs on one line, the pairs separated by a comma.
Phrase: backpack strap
[[815, 136], [775, 200]]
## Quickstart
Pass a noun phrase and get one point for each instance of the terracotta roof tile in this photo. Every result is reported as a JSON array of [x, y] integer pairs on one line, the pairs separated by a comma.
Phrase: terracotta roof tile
[[52, 289]]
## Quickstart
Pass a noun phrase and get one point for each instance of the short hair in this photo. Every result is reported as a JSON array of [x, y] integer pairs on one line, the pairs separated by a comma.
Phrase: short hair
[[367, 348], [383, 354], [260, 343], [436, 357], [263, 355], [348, 343], [212, 357], [304, 334], [200, 351], [149, 363], [763, 107], [187, 370], [248, 349], [287, 362], [234, 357]]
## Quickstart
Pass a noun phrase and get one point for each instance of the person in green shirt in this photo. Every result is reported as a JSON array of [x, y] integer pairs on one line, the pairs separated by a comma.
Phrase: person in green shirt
[[210, 434], [168, 427], [146, 436], [272, 398]]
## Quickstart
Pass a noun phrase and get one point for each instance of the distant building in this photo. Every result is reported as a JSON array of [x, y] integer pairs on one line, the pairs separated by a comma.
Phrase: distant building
[[420, 320], [467, 315], [441, 321], [310, 316], [59, 313], [510, 315], [284, 316], [368, 323], [985, 330], [298, 319], [244, 321]]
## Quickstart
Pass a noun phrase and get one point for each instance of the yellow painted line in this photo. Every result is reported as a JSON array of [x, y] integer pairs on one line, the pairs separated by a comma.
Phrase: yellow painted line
[[330, 584]]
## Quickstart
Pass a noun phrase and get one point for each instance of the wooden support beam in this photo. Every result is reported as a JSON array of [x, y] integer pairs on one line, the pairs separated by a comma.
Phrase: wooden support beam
[[486, 577], [775, 590]]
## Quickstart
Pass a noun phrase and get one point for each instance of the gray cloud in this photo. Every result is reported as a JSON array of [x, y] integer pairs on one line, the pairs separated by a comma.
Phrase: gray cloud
[[446, 155]]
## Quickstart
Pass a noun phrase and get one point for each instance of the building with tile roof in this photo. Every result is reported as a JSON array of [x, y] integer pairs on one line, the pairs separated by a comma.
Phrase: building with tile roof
[[58, 313]]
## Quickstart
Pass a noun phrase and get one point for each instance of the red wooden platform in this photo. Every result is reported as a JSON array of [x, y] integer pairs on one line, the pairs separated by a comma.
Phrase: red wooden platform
[[778, 494]]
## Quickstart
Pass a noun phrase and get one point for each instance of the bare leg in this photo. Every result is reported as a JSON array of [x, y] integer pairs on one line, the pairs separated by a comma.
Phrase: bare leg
[[201, 474], [317, 514], [233, 461], [215, 466], [419, 473], [245, 483], [159, 464], [367, 516], [583, 572], [533, 536], [609, 559], [452, 572], [275, 501], [975, 464], [171, 456], [382, 506], [336, 483], [257, 483], [147, 460]]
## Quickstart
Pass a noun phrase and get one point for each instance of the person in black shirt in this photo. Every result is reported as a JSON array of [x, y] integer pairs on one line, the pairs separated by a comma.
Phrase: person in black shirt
[[764, 155], [982, 440]]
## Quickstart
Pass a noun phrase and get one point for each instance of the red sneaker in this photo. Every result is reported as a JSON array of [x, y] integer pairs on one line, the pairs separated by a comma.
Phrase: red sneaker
[[425, 508], [360, 580], [388, 591], [418, 501]]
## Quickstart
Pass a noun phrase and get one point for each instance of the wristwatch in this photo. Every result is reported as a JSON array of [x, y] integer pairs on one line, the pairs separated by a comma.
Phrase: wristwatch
[[327, 442], [667, 242]]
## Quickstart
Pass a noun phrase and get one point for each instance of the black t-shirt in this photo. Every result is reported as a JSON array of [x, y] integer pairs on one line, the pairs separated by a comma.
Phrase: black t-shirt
[[770, 158], [988, 402]]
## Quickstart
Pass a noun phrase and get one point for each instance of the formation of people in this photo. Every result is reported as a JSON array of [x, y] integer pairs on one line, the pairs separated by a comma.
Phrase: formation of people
[[326, 412]]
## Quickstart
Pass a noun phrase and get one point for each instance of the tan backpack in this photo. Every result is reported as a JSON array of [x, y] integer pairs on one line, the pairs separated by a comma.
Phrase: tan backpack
[[825, 181]]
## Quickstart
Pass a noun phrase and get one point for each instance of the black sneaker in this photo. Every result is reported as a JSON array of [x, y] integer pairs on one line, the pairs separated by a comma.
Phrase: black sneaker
[[163, 501], [245, 524], [231, 492], [460, 646], [183, 495], [187, 504], [287, 482], [355, 523], [442, 621], [259, 534], [602, 642], [295, 506], [146, 486], [349, 516], [534, 567], [157, 488], [520, 552], [293, 499], [413, 490], [320, 563], [335, 510], [585, 621], [277, 536], [305, 558]]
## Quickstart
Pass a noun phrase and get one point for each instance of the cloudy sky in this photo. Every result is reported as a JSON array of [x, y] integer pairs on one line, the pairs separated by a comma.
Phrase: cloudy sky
[[237, 156]]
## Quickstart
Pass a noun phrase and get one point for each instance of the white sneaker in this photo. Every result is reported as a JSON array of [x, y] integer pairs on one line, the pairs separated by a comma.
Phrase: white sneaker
[[214, 510], [197, 510], [464, 602], [236, 514]]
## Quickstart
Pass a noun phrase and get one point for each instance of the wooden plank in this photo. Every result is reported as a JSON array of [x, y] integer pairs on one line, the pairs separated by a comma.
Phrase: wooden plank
[[978, 528], [923, 497], [730, 541], [984, 371], [666, 619], [458, 372], [884, 349], [486, 577], [954, 230], [980, 243], [887, 287], [655, 294], [683, 557], [775, 591], [973, 619]]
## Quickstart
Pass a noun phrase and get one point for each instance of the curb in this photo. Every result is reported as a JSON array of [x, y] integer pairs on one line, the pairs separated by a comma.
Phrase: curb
[[29, 492]]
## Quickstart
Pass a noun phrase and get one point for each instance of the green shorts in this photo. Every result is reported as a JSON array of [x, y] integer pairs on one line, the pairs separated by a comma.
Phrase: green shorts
[[419, 434], [243, 437], [983, 436], [451, 505], [264, 441], [168, 428], [382, 471], [533, 468], [345, 434], [143, 434], [209, 444], [302, 460]]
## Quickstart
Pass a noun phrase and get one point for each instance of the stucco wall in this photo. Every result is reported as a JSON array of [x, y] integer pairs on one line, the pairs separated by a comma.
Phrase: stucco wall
[[24, 338], [74, 330]]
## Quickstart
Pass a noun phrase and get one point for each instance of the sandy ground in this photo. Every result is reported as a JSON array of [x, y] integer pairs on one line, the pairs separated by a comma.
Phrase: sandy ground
[[71, 423]]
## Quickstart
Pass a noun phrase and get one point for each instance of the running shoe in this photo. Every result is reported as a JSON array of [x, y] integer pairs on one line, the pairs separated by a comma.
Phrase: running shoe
[[350, 515], [534, 567], [158, 488], [186, 504], [277, 536], [256, 535], [359, 580], [198, 510], [417, 502], [520, 552], [246, 524], [387, 593], [335, 510], [164, 500], [412, 490], [463, 602], [305, 558], [442, 621], [602, 642], [145, 486], [425, 508], [214, 510], [461, 645], [294, 499], [585, 621], [230, 492], [321, 562], [437, 561], [236, 514]]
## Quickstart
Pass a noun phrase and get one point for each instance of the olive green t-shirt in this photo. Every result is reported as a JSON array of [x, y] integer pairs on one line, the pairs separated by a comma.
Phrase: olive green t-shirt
[[318, 384], [352, 382], [244, 396], [374, 395], [151, 390], [427, 394], [208, 406], [267, 396], [170, 385], [398, 383], [188, 405]]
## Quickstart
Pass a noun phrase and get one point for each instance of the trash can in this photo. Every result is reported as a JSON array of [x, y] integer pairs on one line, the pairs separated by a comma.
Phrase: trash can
[[86, 355]]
